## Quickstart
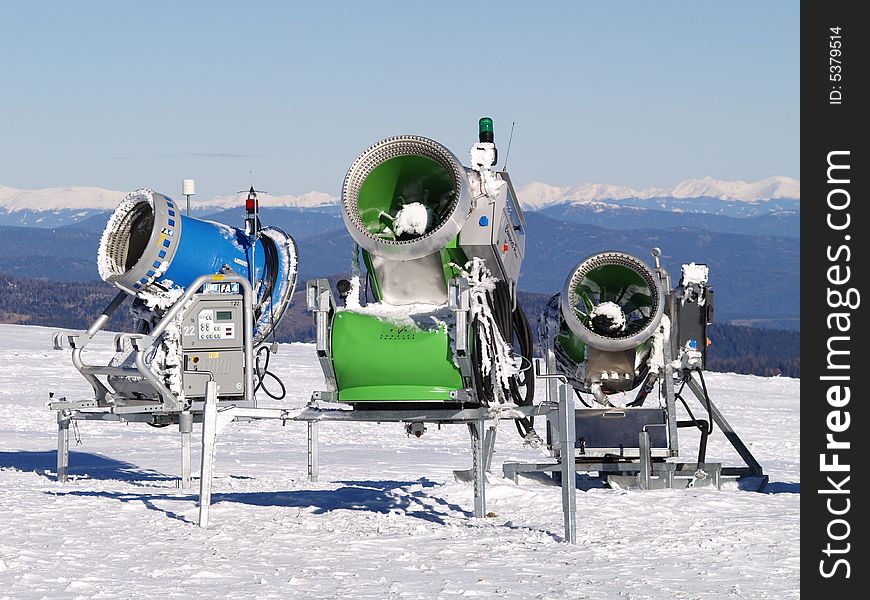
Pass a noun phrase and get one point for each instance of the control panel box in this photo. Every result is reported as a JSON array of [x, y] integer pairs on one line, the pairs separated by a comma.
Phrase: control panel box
[[226, 367], [212, 343], [495, 231], [213, 321]]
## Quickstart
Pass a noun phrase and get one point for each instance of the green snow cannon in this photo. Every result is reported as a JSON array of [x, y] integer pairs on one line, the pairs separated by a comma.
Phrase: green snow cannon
[[431, 234], [603, 324]]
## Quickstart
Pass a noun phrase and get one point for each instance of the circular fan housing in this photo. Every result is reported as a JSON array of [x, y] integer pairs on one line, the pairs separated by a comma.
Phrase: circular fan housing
[[612, 278], [390, 184]]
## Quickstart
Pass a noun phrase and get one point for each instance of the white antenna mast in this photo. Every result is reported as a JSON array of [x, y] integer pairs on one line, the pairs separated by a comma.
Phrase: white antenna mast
[[188, 188]]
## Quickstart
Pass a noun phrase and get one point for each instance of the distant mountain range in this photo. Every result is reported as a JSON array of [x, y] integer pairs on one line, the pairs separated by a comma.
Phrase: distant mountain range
[[538, 195], [747, 232], [60, 206], [756, 277]]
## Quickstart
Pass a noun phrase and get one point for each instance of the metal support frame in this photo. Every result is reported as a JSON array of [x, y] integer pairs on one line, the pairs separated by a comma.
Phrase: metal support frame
[[482, 438], [753, 468], [321, 302], [63, 421], [313, 429], [666, 388], [568, 466], [142, 345], [214, 420], [645, 472], [489, 447], [459, 301], [209, 435], [644, 478], [185, 427], [478, 466], [560, 392]]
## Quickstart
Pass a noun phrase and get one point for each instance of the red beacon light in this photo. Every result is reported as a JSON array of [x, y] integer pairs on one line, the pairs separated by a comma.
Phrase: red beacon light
[[251, 202], [252, 208]]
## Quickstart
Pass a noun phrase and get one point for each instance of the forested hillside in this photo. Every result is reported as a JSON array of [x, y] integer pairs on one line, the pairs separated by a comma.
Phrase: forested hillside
[[74, 305]]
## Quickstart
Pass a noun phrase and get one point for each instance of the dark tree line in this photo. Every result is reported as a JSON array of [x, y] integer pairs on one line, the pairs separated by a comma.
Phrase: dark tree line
[[75, 305]]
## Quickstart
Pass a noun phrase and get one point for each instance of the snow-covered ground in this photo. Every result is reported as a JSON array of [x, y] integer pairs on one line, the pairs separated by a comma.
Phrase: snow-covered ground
[[387, 520]]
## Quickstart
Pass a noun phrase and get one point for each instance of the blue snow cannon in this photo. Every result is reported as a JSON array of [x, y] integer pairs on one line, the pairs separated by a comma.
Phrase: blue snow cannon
[[150, 248]]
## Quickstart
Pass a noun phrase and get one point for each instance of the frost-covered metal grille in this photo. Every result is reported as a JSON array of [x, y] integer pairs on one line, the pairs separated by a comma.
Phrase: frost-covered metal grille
[[642, 319], [118, 252], [406, 145]]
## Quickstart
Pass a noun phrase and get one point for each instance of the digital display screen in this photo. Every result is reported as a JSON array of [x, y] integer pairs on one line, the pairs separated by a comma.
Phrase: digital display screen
[[223, 315]]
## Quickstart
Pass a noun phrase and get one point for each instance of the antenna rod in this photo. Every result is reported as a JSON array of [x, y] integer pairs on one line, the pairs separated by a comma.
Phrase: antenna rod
[[508, 153]]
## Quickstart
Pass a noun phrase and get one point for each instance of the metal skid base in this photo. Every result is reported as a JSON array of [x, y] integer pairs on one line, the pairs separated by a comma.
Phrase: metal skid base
[[645, 466], [476, 419], [214, 419], [626, 475]]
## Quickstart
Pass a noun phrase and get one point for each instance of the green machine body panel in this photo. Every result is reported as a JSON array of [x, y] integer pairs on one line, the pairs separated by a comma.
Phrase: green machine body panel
[[368, 351]]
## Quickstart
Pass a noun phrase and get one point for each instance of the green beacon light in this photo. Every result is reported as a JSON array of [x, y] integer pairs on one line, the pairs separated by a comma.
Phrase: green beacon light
[[486, 130]]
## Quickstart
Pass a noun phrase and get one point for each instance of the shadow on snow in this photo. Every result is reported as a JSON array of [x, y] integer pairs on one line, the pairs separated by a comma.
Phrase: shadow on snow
[[81, 464], [779, 487], [372, 496]]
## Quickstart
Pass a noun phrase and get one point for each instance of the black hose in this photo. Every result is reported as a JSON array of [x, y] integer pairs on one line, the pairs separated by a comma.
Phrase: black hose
[[707, 427], [706, 399], [580, 398], [264, 372], [270, 266]]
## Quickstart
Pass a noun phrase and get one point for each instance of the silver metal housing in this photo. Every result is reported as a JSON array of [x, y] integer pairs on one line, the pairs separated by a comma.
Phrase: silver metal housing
[[428, 243]]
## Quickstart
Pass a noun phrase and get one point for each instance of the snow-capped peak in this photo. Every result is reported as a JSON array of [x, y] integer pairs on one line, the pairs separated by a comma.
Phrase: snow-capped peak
[[95, 198], [533, 196], [59, 198], [770, 188], [307, 200], [537, 195]]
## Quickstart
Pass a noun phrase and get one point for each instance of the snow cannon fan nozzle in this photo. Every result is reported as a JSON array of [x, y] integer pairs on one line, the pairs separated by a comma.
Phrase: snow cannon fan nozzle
[[150, 247], [611, 307], [612, 301], [405, 198]]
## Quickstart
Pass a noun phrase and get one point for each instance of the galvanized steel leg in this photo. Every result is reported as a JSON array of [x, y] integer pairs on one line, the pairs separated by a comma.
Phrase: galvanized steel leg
[[478, 467], [185, 426], [313, 450], [489, 447], [63, 421], [567, 426], [209, 433], [644, 477]]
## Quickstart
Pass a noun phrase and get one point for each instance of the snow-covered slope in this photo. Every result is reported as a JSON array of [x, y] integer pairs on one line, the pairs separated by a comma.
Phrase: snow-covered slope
[[386, 521], [537, 195]]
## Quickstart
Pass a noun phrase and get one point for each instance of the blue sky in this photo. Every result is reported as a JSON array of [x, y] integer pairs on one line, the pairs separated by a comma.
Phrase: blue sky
[[129, 94]]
